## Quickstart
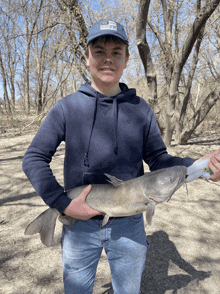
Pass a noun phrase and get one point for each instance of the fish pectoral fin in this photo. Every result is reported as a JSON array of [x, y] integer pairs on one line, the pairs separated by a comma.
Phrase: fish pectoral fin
[[150, 212], [114, 181], [105, 220], [44, 224]]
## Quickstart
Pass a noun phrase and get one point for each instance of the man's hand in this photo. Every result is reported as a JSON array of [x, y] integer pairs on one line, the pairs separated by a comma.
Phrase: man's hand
[[213, 164], [78, 207]]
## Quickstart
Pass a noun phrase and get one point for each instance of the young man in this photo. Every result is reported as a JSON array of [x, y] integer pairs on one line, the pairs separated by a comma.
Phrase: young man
[[107, 129]]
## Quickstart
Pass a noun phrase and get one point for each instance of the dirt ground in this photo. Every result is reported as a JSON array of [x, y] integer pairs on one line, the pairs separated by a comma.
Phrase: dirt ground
[[184, 253]]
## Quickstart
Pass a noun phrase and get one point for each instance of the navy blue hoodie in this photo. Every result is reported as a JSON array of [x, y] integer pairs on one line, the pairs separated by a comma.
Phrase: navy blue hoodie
[[102, 135]]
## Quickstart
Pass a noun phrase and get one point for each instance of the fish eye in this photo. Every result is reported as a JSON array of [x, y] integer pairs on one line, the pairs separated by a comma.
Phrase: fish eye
[[170, 179]]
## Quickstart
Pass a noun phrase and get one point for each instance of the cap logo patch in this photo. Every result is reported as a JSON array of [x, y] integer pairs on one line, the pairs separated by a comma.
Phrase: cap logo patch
[[108, 25]]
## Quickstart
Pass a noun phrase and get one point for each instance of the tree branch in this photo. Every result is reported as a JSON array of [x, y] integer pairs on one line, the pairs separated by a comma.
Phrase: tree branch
[[199, 116], [199, 22]]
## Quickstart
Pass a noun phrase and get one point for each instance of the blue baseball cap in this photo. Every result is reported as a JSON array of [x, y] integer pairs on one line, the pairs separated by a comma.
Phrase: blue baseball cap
[[107, 27]]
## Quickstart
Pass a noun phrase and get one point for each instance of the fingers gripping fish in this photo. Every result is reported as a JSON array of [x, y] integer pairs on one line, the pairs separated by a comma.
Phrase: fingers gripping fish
[[117, 199]]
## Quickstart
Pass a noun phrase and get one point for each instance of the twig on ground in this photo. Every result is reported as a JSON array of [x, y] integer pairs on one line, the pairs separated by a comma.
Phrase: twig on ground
[[39, 117]]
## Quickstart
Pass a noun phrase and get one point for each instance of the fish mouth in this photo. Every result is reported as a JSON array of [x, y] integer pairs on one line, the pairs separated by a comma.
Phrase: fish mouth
[[155, 200]]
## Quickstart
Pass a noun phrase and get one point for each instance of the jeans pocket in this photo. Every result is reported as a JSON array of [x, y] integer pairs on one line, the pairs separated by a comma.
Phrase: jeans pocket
[[136, 217]]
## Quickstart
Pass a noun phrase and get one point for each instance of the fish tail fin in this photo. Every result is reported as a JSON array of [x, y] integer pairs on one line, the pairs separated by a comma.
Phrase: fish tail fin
[[150, 213], [44, 224]]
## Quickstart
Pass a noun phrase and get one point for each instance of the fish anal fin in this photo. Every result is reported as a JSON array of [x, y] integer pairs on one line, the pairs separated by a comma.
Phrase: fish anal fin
[[105, 220], [150, 212], [114, 181]]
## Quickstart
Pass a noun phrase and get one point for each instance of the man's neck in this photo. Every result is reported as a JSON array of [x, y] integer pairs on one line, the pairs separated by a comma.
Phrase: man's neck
[[107, 90]]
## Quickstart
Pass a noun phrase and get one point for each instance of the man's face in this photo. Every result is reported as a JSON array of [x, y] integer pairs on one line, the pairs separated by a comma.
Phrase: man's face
[[106, 62]]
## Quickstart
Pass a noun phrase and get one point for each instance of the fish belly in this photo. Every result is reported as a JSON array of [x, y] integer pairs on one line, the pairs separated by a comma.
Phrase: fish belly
[[113, 201]]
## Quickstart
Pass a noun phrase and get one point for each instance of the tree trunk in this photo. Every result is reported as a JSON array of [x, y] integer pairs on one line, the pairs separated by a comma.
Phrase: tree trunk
[[144, 49], [6, 97], [26, 82]]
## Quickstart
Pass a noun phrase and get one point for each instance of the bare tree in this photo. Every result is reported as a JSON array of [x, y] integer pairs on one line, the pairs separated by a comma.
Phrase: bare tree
[[46, 45], [24, 16], [8, 60], [77, 31], [6, 96], [173, 65], [30, 11]]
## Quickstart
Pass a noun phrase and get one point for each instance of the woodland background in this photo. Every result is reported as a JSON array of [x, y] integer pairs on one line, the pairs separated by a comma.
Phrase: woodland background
[[174, 58]]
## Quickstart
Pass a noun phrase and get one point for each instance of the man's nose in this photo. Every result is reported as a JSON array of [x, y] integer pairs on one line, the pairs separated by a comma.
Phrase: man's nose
[[107, 58]]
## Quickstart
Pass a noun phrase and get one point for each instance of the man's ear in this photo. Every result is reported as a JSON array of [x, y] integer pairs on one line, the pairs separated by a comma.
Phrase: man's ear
[[87, 57], [87, 62], [126, 61]]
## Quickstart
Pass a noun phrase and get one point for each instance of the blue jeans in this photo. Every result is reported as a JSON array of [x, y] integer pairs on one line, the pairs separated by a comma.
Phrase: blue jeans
[[125, 244]]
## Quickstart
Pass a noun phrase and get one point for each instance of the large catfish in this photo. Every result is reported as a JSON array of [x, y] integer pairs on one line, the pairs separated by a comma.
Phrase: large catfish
[[116, 199]]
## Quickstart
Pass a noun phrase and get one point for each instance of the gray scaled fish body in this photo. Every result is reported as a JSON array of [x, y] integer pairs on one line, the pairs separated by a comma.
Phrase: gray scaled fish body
[[116, 199]]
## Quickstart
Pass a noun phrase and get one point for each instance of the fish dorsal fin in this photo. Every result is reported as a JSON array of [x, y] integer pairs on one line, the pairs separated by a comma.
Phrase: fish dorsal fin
[[114, 181]]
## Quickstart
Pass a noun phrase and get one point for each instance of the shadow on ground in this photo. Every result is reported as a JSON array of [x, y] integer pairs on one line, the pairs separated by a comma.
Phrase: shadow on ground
[[161, 256]]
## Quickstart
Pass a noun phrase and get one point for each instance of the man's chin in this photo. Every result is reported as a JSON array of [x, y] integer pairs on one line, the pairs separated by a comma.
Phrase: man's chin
[[108, 79]]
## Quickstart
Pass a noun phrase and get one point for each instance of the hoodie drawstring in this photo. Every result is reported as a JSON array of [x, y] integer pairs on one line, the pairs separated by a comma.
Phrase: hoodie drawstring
[[115, 113], [86, 159], [115, 110]]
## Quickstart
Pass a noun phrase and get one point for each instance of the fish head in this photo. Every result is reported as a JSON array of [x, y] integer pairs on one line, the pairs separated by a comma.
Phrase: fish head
[[162, 184]]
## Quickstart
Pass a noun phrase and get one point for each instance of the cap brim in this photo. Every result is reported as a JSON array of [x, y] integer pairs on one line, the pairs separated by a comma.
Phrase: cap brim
[[89, 40]]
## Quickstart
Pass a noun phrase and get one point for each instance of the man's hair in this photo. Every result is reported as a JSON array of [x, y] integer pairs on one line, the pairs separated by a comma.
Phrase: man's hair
[[108, 39]]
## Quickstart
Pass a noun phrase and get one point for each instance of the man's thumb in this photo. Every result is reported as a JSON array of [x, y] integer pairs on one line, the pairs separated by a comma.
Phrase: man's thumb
[[86, 191]]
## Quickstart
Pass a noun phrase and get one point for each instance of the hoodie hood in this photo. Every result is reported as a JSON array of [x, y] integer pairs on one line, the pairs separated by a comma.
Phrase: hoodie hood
[[125, 95]]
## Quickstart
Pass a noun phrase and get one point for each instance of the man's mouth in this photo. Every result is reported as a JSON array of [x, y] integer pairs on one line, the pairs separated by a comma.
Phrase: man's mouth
[[107, 69]]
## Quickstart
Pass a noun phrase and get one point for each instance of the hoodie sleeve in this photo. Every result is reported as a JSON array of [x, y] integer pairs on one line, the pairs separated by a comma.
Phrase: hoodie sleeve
[[36, 162], [155, 152]]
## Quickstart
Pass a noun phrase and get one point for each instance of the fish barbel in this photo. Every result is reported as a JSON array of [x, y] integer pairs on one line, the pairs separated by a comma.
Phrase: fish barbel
[[116, 199]]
